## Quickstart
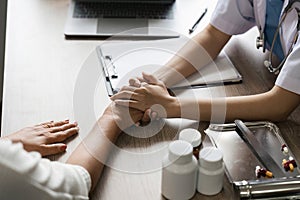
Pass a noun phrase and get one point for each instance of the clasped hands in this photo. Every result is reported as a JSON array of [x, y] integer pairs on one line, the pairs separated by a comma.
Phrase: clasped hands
[[146, 94]]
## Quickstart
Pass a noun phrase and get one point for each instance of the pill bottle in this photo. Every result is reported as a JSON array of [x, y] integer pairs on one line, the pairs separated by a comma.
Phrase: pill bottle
[[211, 171], [192, 136], [179, 173]]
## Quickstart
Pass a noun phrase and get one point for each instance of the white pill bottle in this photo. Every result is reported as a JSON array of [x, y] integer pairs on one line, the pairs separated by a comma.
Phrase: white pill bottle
[[211, 171], [179, 173], [192, 136]]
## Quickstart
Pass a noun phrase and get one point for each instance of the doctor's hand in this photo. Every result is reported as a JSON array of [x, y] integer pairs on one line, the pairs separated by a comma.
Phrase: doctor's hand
[[148, 114], [152, 94], [46, 138]]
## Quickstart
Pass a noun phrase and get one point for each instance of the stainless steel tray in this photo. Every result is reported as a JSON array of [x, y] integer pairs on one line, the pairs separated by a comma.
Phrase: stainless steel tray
[[240, 162]]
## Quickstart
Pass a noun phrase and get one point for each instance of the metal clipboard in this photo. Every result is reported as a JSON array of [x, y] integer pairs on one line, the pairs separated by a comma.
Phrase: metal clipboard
[[240, 162]]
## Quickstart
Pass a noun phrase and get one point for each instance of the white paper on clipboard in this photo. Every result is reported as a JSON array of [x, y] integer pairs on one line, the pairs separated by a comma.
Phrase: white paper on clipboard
[[126, 59]]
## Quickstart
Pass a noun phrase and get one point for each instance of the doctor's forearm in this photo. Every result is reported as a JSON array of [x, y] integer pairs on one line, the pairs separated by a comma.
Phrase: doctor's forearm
[[199, 51], [224, 109], [274, 105], [187, 61]]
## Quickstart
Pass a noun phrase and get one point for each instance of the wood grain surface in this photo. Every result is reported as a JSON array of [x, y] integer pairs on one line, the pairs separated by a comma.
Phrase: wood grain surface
[[41, 82]]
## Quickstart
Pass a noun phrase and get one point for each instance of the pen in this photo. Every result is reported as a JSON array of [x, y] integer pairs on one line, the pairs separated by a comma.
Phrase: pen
[[191, 30]]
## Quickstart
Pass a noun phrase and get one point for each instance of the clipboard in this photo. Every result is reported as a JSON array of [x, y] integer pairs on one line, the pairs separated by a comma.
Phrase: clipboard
[[123, 60]]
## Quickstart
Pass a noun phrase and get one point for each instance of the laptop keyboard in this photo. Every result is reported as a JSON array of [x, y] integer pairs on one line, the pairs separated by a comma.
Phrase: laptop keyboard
[[122, 10]]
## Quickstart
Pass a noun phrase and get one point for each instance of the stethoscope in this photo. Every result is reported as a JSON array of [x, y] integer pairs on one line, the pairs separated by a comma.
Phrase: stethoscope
[[260, 40]]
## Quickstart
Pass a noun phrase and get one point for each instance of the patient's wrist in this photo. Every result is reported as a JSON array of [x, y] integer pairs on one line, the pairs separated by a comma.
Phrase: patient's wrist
[[12, 138]]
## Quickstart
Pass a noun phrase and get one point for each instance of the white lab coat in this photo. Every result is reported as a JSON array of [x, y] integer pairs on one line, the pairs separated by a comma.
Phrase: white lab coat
[[238, 16]]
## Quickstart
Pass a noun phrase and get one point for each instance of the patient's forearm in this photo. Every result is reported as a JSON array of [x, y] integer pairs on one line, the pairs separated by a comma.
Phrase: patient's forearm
[[93, 151]]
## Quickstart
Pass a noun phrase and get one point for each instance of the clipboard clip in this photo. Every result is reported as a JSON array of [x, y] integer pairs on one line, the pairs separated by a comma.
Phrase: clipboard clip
[[110, 90], [111, 66]]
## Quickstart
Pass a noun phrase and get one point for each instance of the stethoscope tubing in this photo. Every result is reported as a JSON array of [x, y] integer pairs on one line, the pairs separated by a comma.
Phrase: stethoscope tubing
[[268, 63]]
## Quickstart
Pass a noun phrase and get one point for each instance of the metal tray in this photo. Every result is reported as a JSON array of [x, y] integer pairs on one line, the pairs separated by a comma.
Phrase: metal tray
[[240, 162]]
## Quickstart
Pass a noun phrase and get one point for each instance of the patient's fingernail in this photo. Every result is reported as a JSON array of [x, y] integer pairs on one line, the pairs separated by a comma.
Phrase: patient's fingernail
[[137, 124], [63, 148], [153, 115]]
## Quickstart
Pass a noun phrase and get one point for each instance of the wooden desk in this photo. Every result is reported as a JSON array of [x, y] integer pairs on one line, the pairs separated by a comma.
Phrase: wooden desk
[[41, 77]]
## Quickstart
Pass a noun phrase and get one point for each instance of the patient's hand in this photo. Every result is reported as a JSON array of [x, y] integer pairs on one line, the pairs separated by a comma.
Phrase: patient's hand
[[124, 117], [46, 138]]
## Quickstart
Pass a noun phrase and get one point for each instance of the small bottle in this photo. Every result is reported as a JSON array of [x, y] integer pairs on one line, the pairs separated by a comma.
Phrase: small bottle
[[192, 136], [179, 173], [211, 171]]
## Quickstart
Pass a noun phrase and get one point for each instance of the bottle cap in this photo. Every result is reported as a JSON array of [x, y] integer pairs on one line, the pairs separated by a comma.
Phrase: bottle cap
[[192, 136], [211, 158], [180, 152]]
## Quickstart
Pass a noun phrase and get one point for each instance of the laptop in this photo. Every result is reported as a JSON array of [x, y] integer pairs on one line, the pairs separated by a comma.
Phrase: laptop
[[152, 18]]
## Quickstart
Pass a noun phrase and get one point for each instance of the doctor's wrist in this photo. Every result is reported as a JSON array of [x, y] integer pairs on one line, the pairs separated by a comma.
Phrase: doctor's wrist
[[173, 107]]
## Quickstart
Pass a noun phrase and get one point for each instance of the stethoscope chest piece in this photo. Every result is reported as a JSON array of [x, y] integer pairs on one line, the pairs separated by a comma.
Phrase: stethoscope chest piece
[[268, 64]]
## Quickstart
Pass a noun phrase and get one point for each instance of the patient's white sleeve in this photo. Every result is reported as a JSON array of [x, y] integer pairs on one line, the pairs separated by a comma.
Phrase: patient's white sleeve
[[26, 175]]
